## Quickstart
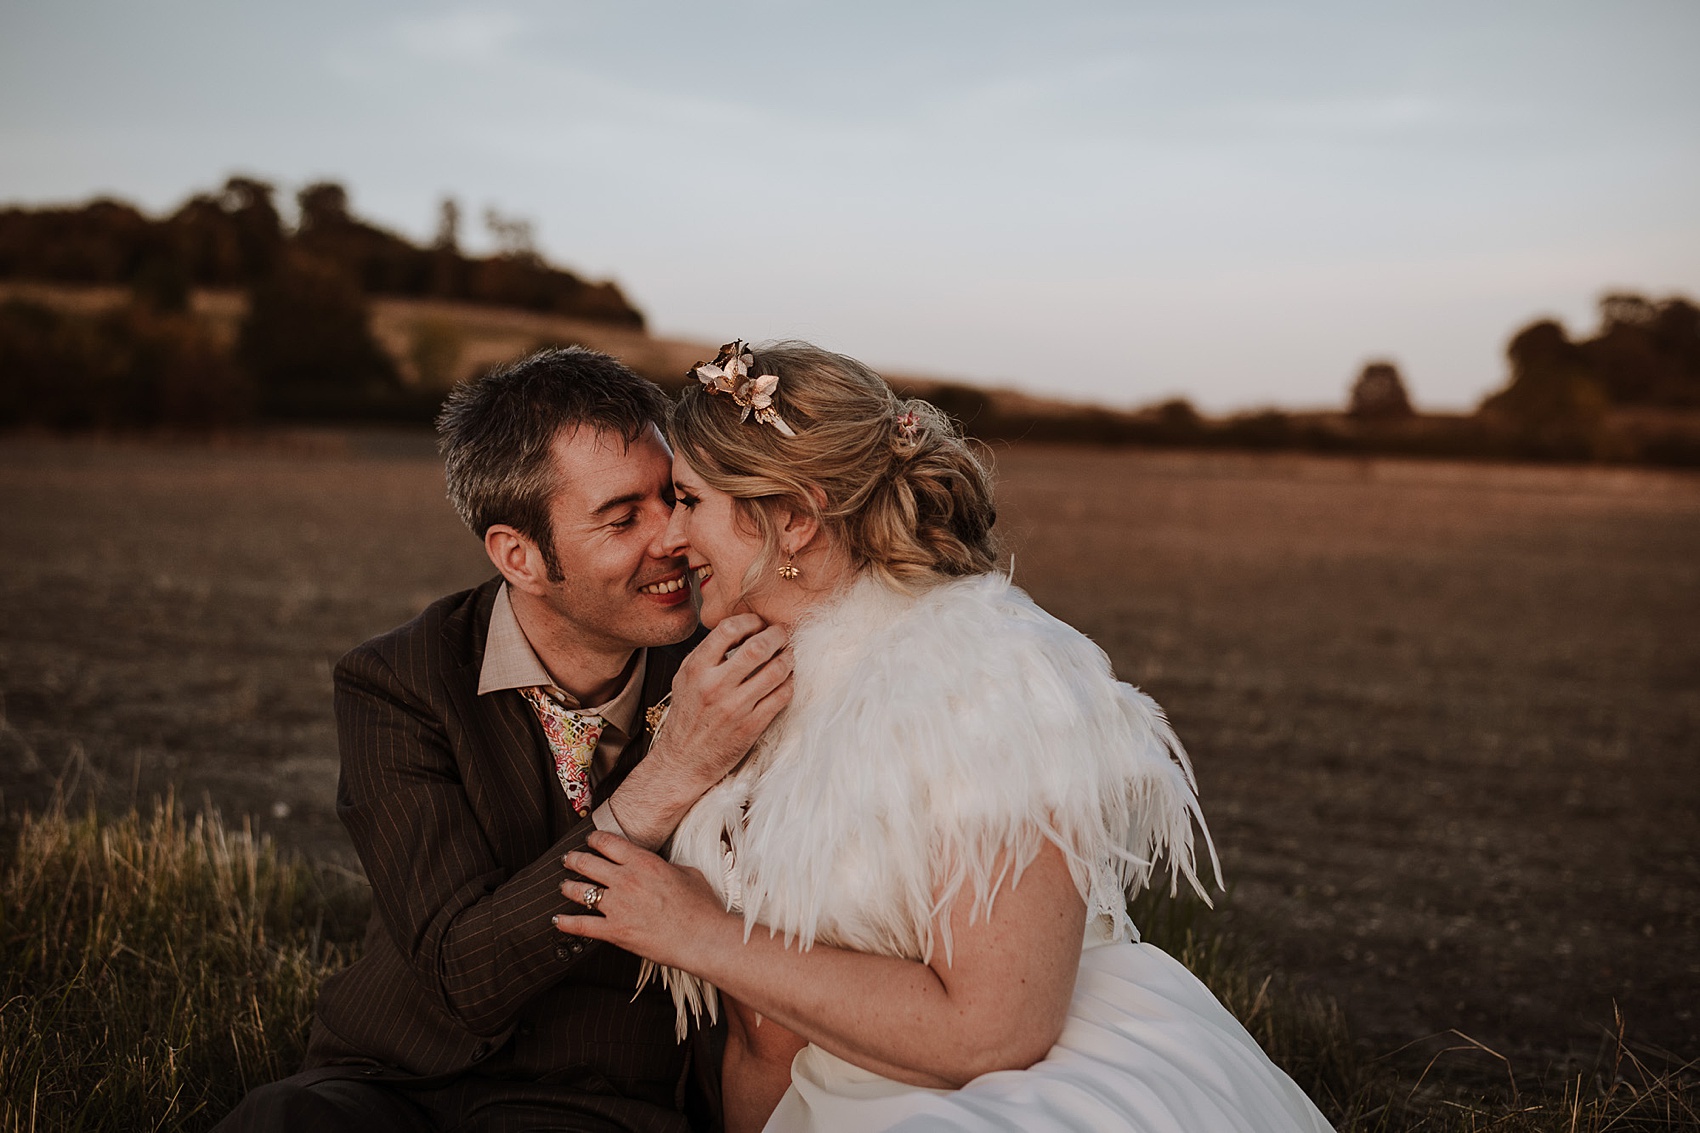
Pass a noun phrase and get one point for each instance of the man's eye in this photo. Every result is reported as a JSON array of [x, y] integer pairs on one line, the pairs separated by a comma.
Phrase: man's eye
[[624, 521]]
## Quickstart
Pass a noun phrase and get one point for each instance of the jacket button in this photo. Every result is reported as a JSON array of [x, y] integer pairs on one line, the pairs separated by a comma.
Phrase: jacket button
[[562, 952]]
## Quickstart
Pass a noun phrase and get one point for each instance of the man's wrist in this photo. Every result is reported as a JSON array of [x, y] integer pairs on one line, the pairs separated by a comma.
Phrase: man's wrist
[[607, 821], [648, 806]]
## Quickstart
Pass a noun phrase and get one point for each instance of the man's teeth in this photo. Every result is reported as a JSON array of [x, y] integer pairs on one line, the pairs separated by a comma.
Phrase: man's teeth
[[666, 587]]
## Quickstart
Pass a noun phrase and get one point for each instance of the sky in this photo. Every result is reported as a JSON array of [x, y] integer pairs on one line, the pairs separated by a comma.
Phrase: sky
[[1120, 202]]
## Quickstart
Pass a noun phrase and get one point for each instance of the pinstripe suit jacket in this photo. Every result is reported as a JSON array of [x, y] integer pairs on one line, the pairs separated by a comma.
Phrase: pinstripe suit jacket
[[451, 801]]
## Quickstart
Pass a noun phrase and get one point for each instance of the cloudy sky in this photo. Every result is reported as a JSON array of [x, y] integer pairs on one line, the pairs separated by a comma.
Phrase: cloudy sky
[[1118, 201]]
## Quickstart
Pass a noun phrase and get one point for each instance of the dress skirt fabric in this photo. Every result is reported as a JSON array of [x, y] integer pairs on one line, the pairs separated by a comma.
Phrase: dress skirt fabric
[[1146, 1048]]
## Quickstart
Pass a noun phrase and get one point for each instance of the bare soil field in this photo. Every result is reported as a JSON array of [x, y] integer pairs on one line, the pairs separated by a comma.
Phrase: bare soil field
[[1444, 716]]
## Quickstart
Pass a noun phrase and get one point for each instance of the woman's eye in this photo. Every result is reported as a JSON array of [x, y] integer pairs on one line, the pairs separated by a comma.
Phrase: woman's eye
[[687, 502]]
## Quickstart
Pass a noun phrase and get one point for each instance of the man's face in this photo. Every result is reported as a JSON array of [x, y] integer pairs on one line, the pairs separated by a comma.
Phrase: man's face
[[620, 588]]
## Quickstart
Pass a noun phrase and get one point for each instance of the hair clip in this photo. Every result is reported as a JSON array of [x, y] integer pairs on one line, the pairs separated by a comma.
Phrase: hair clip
[[908, 428]]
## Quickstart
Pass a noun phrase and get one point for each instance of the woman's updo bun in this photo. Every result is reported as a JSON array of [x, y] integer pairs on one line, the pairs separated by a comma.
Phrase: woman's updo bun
[[892, 479]]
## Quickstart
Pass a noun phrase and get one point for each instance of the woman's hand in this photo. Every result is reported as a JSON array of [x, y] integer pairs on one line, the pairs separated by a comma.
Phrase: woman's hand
[[647, 905]]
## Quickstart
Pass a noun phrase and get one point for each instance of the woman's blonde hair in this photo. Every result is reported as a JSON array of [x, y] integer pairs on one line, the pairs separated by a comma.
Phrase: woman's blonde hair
[[891, 479]]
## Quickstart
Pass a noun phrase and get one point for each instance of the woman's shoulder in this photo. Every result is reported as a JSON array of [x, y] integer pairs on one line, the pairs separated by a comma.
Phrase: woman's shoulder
[[979, 640], [950, 613]]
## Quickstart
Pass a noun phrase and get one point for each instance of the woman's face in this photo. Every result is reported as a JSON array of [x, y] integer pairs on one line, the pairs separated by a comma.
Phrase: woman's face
[[717, 542]]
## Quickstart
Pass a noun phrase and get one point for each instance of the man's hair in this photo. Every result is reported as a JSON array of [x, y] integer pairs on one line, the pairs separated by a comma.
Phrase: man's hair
[[495, 433]]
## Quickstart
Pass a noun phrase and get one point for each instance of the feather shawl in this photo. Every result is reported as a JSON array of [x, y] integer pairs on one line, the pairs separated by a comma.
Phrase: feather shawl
[[932, 742]]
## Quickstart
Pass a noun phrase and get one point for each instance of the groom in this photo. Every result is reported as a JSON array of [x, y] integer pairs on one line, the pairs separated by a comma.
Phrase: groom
[[488, 737]]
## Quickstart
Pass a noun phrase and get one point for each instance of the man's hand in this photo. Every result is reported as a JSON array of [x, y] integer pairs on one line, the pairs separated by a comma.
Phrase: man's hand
[[725, 694]]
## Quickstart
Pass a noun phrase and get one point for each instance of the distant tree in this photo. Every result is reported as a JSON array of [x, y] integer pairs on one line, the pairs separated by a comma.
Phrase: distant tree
[[515, 236], [207, 244], [448, 266], [323, 204], [1179, 415], [308, 343], [1647, 353], [1552, 388], [228, 238], [259, 228], [448, 226], [104, 241], [1379, 394]]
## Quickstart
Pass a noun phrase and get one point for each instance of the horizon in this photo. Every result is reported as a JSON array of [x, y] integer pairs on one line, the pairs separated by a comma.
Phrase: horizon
[[1093, 203]]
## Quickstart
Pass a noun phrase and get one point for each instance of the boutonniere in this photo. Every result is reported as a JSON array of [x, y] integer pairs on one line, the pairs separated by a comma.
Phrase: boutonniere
[[657, 714]]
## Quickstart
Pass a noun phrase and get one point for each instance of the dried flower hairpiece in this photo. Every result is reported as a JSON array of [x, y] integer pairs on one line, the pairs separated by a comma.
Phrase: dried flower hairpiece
[[908, 428], [729, 374]]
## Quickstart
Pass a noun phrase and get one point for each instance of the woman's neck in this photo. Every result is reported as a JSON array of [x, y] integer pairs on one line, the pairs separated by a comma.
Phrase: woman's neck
[[821, 578]]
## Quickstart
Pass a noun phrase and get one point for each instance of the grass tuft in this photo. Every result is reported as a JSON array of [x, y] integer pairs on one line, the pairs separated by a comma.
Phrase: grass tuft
[[154, 968]]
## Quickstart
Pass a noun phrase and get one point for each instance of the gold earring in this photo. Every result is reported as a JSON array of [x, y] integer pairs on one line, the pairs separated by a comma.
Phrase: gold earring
[[787, 571]]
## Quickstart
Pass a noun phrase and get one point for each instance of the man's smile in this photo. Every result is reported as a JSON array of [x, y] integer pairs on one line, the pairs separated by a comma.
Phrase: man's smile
[[668, 585]]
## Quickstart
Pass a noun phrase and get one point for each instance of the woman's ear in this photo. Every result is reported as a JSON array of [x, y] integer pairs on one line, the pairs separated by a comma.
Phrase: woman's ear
[[517, 558], [797, 529]]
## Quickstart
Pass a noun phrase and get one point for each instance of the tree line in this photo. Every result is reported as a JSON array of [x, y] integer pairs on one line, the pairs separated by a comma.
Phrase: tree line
[[236, 237], [305, 348], [1629, 393]]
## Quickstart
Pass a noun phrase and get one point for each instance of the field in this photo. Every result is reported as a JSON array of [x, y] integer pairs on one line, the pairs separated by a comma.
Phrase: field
[[1445, 716]]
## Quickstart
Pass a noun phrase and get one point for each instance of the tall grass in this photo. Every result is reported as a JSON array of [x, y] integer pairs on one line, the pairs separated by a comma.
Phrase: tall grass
[[154, 968], [1304, 1033], [1307, 1036]]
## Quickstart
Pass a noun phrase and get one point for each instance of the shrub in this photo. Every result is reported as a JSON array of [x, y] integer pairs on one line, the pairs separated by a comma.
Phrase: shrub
[[128, 368], [435, 351], [308, 342]]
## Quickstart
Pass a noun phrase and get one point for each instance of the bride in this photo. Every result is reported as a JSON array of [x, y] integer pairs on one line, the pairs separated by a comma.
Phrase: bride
[[911, 896]]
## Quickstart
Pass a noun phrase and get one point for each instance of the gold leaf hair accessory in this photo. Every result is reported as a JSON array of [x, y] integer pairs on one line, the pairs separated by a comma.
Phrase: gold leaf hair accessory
[[729, 373]]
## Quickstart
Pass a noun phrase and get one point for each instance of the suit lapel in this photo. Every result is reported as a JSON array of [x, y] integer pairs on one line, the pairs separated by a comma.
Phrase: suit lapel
[[504, 777]]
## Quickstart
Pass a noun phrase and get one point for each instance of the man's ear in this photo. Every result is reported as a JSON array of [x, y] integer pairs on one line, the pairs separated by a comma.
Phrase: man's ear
[[517, 558]]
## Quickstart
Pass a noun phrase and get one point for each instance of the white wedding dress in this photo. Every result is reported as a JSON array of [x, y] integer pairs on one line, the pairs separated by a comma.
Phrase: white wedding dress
[[928, 735]]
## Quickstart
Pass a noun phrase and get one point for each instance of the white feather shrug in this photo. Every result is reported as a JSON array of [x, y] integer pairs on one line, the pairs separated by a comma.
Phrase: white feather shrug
[[932, 741]]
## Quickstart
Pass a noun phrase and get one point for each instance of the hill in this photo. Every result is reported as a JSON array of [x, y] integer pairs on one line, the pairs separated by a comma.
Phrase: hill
[[236, 237]]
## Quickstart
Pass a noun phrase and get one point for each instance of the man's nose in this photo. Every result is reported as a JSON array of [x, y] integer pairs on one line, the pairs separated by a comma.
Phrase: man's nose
[[670, 544]]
